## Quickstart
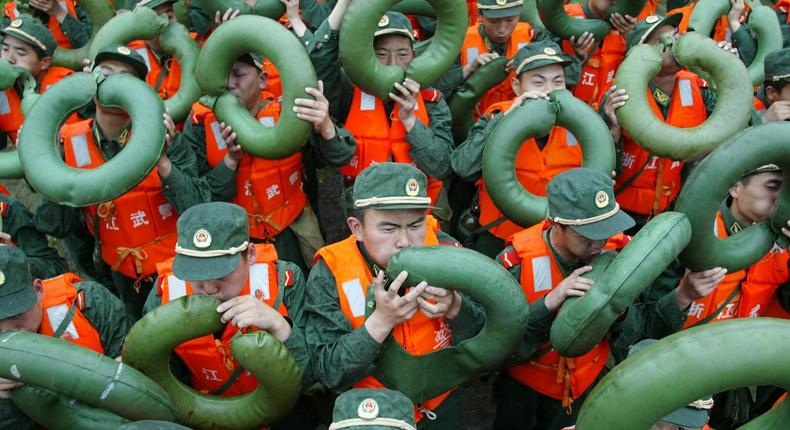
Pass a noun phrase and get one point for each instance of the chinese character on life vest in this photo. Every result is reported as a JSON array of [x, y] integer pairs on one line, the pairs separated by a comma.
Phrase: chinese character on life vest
[[165, 210], [695, 310], [272, 191], [138, 219]]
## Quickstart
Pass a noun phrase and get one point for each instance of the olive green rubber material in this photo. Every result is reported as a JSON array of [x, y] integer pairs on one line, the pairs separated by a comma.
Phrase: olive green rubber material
[[10, 166], [99, 12], [708, 185], [731, 114], [582, 322], [265, 36], [463, 102], [81, 373], [142, 24], [763, 22], [273, 9], [58, 412], [688, 366], [426, 376], [705, 15], [557, 21], [529, 13], [151, 341], [181, 12], [373, 77], [49, 175], [535, 118], [152, 425]]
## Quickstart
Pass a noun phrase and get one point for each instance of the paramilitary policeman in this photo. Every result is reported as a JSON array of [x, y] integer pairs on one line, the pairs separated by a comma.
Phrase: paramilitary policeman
[[67, 20], [390, 205], [373, 409], [772, 102], [83, 313]]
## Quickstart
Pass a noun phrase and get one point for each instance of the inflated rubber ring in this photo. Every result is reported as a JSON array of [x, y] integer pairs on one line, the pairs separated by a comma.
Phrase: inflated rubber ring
[[553, 15], [57, 412], [10, 166], [99, 12], [462, 103], [272, 9]]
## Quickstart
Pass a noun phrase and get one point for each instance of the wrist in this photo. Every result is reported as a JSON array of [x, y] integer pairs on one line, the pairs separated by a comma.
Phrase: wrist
[[164, 167], [378, 327], [328, 131], [281, 330], [551, 301], [230, 162], [682, 298], [455, 306]]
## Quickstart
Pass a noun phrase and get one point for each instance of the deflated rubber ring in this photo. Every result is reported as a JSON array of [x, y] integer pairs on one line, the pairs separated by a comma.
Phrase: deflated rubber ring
[[151, 341], [619, 280], [463, 102], [58, 412], [272, 9], [99, 12], [557, 21], [262, 35], [10, 166], [692, 50], [708, 185], [373, 77], [145, 24], [49, 175], [83, 374], [424, 377], [691, 365], [535, 118]]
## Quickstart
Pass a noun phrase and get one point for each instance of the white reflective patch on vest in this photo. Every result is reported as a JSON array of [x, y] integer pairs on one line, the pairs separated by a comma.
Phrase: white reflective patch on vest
[[471, 54], [570, 138], [355, 295], [221, 144], [523, 44], [144, 53], [716, 229], [267, 121], [541, 273], [5, 105], [176, 288], [259, 281], [56, 316], [79, 144], [686, 99], [367, 102]]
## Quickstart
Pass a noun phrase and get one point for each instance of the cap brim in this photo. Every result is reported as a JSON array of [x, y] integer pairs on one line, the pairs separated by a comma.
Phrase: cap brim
[[540, 63], [204, 268], [141, 69], [671, 20], [687, 417], [607, 228], [502, 13], [17, 303], [400, 32], [397, 207]]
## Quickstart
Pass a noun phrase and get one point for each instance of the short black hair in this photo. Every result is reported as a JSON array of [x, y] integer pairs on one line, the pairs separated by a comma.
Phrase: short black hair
[[778, 86]]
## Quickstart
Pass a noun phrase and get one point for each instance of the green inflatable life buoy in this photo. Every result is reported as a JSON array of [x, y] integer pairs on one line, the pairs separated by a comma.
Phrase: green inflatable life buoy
[[10, 166], [535, 118], [463, 102], [582, 322], [708, 185], [272, 9], [424, 377], [529, 13], [705, 15], [373, 77], [152, 425], [148, 348], [99, 12], [174, 38], [265, 36], [557, 21], [49, 175], [688, 366], [692, 50], [81, 373], [58, 412]]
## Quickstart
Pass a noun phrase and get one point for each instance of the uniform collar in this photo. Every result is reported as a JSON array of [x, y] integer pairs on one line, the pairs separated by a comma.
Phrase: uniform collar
[[566, 267], [730, 223], [659, 96], [586, 9], [372, 266], [490, 44], [121, 138]]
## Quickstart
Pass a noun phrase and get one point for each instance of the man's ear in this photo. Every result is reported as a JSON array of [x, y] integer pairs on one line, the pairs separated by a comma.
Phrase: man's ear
[[771, 94], [355, 225], [38, 285], [46, 62], [735, 190], [251, 254], [516, 84], [264, 79]]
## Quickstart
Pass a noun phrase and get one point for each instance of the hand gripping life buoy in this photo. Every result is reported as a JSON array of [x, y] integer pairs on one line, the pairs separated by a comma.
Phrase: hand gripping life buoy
[[707, 186], [99, 12], [535, 118], [463, 102], [151, 341], [693, 51], [424, 377], [688, 366], [83, 374], [264, 36], [582, 322], [10, 166], [49, 175], [373, 77], [557, 21]]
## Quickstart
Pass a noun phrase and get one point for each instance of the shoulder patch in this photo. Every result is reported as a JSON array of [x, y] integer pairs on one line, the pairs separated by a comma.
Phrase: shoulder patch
[[431, 95], [3, 208], [453, 243], [510, 259], [81, 301], [288, 278]]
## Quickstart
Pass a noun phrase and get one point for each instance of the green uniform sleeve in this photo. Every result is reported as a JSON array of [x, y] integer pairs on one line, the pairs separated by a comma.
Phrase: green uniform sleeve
[[467, 158], [325, 56], [341, 355], [199, 22], [107, 314], [56, 220], [294, 298], [746, 44], [709, 97], [78, 29], [315, 12], [183, 188], [11, 418], [337, 151], [220, 179], [45, 262], [451, 80], [431, 146]]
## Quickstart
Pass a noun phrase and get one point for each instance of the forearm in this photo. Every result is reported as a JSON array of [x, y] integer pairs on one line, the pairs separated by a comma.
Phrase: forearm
[[467, 158]]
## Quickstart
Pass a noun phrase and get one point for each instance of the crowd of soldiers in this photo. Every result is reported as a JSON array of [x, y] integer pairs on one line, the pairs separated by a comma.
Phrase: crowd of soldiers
[[212, 219]]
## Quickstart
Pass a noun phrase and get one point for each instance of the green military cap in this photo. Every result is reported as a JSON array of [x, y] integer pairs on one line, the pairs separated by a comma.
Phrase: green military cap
[[152, 3], [253, 59], [211, 239], [33, 32], [16, 283], [777, 66], [644, 29], [584, 199], [394, 23], [500, 8], [539, 54], [390, 186], [693, 415], [125, 55], [373, 409], [763, 169]]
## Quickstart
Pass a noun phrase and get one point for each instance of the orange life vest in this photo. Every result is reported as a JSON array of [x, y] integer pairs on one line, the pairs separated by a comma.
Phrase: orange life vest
[[378, 139], [269, 190], [11, 117], [475, 45], [169, 83], [783, 6], [420, 335], [758, 284], [659, 182], [53, 24], [721, 30], [471, 8], [60, 294], [759, 107], [562, 378], [209, 359], [136, 230], [274, 84], [534, 169]]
